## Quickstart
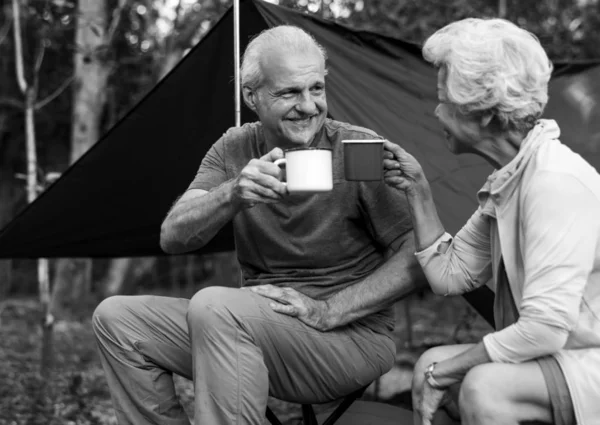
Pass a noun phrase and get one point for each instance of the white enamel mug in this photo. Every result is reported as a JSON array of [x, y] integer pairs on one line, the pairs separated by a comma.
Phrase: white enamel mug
[[307, 170]]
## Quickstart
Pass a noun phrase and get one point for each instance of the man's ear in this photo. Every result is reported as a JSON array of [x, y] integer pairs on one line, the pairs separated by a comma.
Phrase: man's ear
[[250, 98]]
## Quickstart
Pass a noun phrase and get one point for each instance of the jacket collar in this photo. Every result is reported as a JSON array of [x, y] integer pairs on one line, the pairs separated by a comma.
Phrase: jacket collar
[[501, 184]]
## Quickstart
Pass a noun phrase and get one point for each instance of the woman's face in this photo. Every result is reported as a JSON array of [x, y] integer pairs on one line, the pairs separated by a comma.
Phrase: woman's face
[[462, 132]]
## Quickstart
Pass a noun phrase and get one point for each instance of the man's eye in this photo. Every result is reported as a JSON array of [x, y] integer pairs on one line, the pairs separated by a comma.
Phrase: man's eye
[[318, 89], [288, 95]]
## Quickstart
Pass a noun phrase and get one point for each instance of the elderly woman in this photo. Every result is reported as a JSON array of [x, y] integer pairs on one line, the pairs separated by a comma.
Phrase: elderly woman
[[534, 239]]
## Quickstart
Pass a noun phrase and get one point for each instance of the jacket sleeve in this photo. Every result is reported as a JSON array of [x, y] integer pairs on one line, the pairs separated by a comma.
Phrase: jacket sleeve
[[560, 226], [460, 264]]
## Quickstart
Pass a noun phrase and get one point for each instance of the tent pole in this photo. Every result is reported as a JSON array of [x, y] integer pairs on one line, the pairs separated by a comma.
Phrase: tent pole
[[236, 59]]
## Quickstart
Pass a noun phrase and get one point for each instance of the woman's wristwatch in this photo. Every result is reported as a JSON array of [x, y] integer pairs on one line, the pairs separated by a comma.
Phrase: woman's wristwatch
[[430, 379]]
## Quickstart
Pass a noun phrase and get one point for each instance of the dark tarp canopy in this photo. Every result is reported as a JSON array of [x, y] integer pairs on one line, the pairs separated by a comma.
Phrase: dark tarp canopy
[[112, 201]]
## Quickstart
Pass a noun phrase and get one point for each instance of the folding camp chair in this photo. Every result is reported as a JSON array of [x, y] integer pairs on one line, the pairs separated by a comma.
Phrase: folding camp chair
[[308, 414], [352, 411]]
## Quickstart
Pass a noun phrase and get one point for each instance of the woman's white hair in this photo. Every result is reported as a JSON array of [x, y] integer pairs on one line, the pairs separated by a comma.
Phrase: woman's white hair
[[285, 37], [494, 66]]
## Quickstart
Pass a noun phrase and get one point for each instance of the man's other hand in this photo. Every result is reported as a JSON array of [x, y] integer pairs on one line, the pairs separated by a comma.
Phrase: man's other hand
[[259, 182], [292, 303]]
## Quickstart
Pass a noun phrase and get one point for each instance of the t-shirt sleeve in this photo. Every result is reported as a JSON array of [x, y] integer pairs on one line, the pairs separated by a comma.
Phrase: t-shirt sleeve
[[386, 212], [212, 171]]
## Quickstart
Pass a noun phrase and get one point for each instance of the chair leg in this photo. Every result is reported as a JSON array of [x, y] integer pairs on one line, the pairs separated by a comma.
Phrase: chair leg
[[344, 405], [308, 415], [272, 418]]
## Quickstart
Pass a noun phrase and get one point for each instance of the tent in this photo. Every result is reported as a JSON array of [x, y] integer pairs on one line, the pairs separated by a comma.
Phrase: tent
[[112, 201]]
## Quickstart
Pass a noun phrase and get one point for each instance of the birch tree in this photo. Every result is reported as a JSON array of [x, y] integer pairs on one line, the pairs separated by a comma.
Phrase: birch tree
[[5, 207], [94, 34], [29, 90]]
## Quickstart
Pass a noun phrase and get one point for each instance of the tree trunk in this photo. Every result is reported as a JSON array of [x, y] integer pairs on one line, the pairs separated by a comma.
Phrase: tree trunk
[[114, 280], [5, 278], [174, 274], [92, 39], [47, 356], [502, 10], [124, 274], [7, 200], [29, 90], [190, 272], [91, 75], [6, 211], [8, 193], [71, 283]]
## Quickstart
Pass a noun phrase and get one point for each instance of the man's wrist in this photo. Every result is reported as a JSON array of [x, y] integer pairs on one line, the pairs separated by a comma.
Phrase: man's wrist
[[230, 195], [329, 318]]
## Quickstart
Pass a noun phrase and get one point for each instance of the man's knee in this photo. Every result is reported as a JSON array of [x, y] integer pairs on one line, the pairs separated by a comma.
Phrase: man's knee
[[108, 315], [215, 306]]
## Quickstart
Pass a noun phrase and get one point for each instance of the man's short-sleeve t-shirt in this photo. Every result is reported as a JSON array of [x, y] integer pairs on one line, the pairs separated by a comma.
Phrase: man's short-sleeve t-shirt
[[317, 244]]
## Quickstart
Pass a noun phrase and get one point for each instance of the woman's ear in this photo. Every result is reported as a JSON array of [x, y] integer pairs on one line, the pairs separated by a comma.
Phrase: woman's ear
[[486, 119], [249, 96]]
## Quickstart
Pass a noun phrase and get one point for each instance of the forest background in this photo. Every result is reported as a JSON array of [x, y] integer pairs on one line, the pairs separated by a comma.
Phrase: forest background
[[69, 70]]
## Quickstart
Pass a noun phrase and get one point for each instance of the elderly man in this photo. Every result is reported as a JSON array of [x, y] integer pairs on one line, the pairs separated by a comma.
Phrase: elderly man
[[312, 322]]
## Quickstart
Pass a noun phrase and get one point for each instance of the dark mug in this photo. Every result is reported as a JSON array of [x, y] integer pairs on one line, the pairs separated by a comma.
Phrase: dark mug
[[363, 159]]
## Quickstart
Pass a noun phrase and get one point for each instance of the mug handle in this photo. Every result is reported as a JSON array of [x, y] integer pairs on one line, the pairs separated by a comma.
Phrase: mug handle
[[279, 162]]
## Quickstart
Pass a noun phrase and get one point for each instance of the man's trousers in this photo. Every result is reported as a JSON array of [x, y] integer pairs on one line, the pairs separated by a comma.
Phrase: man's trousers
[[237, 350]]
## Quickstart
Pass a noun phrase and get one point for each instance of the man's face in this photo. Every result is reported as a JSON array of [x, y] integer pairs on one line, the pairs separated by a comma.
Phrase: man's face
[[291, 102]]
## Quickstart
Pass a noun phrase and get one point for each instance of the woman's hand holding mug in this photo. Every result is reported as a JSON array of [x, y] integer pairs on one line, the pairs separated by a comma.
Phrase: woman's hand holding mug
[[401, 170]]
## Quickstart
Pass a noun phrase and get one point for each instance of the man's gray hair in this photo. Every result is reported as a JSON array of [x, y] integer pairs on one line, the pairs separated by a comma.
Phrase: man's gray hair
[[494, 66], [285, 37]]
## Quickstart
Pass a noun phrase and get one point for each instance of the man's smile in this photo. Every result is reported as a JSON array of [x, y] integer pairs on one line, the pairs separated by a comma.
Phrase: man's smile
[[301, 122]]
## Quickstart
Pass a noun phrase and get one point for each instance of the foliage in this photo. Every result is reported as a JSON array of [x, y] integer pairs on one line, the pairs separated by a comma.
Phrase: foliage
[[76, 391], [148, 32], [568, 29]]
